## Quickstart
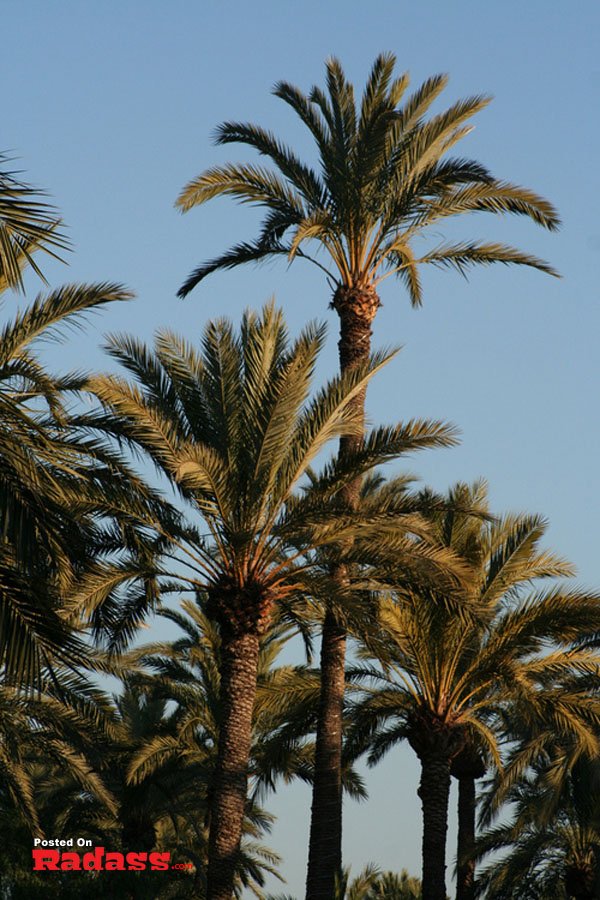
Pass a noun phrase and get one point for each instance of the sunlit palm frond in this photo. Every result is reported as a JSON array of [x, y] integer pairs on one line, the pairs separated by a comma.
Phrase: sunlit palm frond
[[27, 224]]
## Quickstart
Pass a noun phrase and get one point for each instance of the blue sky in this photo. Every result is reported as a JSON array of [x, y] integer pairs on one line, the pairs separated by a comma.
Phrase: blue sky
[[111, 106]]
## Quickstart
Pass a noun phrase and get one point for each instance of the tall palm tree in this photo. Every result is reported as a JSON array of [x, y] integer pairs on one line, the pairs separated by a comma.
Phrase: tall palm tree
[[384, 181], [233, 427], [449, 673]]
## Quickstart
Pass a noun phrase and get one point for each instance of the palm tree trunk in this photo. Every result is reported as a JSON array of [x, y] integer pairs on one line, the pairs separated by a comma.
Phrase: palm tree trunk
[[356, 309], [465, 867], [324, 860], [434, 791], [239, 663], [467, 766]]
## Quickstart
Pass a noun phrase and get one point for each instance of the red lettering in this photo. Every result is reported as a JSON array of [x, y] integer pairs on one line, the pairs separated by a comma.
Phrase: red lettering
[[97, 860], [45, 860], [93, 859], [160, 860]]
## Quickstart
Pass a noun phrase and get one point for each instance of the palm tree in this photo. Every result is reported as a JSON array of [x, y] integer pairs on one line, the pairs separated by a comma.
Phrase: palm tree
[[372, 884], [384, 181], [450, 672], [59, 492], [507, 556], [467, 767], [50, 737], [234, 429], [390, 886]]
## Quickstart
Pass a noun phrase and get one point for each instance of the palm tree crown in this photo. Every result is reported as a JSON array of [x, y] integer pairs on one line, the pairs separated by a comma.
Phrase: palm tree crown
[[384, 179], [553, 833], [235, 430]]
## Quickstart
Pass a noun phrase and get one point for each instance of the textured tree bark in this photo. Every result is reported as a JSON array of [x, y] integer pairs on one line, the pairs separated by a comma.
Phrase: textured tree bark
[[324, 861], [434, 791], [356, 309], [465, 864], [239, 663]]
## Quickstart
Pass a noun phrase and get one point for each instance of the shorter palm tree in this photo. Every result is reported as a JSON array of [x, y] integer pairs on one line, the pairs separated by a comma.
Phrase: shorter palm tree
[[372, 884], [450, 670], [233, 427], [390, 886]]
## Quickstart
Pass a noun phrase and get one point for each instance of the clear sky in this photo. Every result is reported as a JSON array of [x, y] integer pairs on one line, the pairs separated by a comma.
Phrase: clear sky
[[111, 106]]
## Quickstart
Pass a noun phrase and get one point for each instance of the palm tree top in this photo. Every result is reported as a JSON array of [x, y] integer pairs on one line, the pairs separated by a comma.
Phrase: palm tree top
[[384, 178], [237, 427], [451, 664]]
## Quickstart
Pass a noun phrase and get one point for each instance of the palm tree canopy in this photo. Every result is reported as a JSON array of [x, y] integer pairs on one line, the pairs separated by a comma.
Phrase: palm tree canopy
[[453, 667], [384, 179], [235, 428]]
